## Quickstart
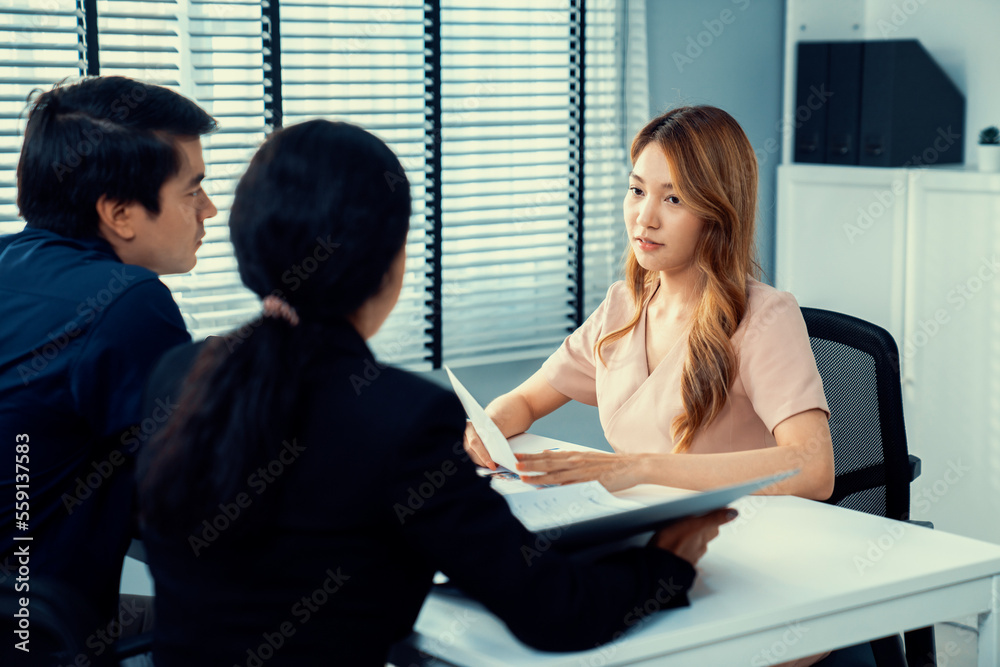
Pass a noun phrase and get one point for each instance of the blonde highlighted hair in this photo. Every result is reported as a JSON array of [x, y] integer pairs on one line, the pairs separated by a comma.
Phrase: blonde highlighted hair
[[714, 172]]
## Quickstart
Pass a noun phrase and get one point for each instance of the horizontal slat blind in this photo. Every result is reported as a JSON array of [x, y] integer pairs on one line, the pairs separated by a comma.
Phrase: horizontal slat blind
[[505, 152], [505, 209], [210, 52], [38, 46], [363, 62], [224, 74], [605, 152]]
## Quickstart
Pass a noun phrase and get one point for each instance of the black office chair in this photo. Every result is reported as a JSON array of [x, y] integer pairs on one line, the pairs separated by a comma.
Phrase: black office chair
[[859, 364], [61, 621]]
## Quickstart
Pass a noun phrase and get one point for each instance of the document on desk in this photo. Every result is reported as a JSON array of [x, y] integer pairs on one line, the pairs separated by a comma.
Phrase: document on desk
[[577, 516], [562, 505], [586, 514]]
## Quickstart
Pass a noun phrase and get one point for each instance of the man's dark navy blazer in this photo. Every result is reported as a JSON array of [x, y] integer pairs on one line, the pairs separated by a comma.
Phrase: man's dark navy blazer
[[79, 333]]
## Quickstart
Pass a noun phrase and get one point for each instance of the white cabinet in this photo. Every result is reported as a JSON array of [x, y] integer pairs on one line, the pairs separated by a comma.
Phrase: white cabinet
[[951, 349], [841, 240], [915, 251]]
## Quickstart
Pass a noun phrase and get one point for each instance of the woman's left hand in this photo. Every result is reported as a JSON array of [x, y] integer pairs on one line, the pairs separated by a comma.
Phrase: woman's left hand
[[614, 471]]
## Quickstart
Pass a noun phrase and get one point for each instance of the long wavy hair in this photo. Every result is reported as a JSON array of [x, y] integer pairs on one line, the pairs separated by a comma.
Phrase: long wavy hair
[[325, 197], [714, 170]]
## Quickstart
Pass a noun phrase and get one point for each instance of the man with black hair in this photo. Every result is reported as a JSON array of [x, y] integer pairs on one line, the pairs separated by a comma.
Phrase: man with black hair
[[109, 185]]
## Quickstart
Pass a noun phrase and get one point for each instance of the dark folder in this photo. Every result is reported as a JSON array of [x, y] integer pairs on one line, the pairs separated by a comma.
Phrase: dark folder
[[885, 103], [912, 114], [844, 112], [811, 82]]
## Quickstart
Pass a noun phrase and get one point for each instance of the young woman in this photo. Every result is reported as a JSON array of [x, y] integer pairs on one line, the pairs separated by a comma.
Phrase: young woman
[[702, 375], [296, 507]]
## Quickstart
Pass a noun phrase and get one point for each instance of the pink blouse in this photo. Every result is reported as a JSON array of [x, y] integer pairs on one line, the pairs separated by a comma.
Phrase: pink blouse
[[776, 377]]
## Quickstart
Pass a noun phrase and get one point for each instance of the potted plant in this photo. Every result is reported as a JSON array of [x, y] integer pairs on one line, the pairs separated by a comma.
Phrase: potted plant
[[989, 149]]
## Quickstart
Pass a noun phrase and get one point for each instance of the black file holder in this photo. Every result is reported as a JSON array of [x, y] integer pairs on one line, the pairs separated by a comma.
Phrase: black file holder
[[887, 103]]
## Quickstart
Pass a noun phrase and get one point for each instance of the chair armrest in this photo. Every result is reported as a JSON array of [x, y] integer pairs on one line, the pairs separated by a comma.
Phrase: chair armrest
[[914, 467]]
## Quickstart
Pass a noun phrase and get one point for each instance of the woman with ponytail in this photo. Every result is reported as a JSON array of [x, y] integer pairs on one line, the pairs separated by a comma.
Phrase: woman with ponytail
[[703, 376], [296, 505]]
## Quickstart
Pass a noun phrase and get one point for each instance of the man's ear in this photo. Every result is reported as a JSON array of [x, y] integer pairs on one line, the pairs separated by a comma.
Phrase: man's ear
[[115, 218]]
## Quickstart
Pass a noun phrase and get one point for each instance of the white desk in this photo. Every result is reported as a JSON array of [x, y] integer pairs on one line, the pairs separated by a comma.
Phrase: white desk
[[789, 578]]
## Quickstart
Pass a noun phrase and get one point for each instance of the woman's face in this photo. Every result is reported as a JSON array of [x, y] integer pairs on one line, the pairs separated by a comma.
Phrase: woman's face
[[662, 231]]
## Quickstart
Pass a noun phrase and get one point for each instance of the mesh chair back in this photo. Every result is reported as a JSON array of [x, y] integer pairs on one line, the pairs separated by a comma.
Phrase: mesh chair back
[[859, 364]]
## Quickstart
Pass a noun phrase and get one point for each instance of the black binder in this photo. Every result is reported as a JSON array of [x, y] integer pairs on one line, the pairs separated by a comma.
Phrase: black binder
[[887, 103], [844, 115], [912, 114], [810, 108]]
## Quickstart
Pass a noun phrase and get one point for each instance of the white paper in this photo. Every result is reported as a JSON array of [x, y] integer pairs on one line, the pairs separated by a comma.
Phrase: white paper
[[564, 505], [496, 444]]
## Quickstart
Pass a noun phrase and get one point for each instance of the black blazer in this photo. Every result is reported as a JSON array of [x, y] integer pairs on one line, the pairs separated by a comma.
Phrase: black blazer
[[375, 495]]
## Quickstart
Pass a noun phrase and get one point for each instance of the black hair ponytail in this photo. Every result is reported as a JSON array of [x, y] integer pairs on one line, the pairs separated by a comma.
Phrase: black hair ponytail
[[318, 218]]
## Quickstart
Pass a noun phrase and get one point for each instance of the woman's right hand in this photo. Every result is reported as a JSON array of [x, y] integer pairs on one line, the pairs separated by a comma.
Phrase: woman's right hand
[[475, 448], [689, 538]]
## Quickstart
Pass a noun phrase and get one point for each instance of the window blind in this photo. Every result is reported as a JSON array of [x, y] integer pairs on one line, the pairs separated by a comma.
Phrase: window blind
[[506, 132], [210, 52], [525, 89], [223, 71], [39, 44], [507, 122], [363, 62], [606, 146]]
